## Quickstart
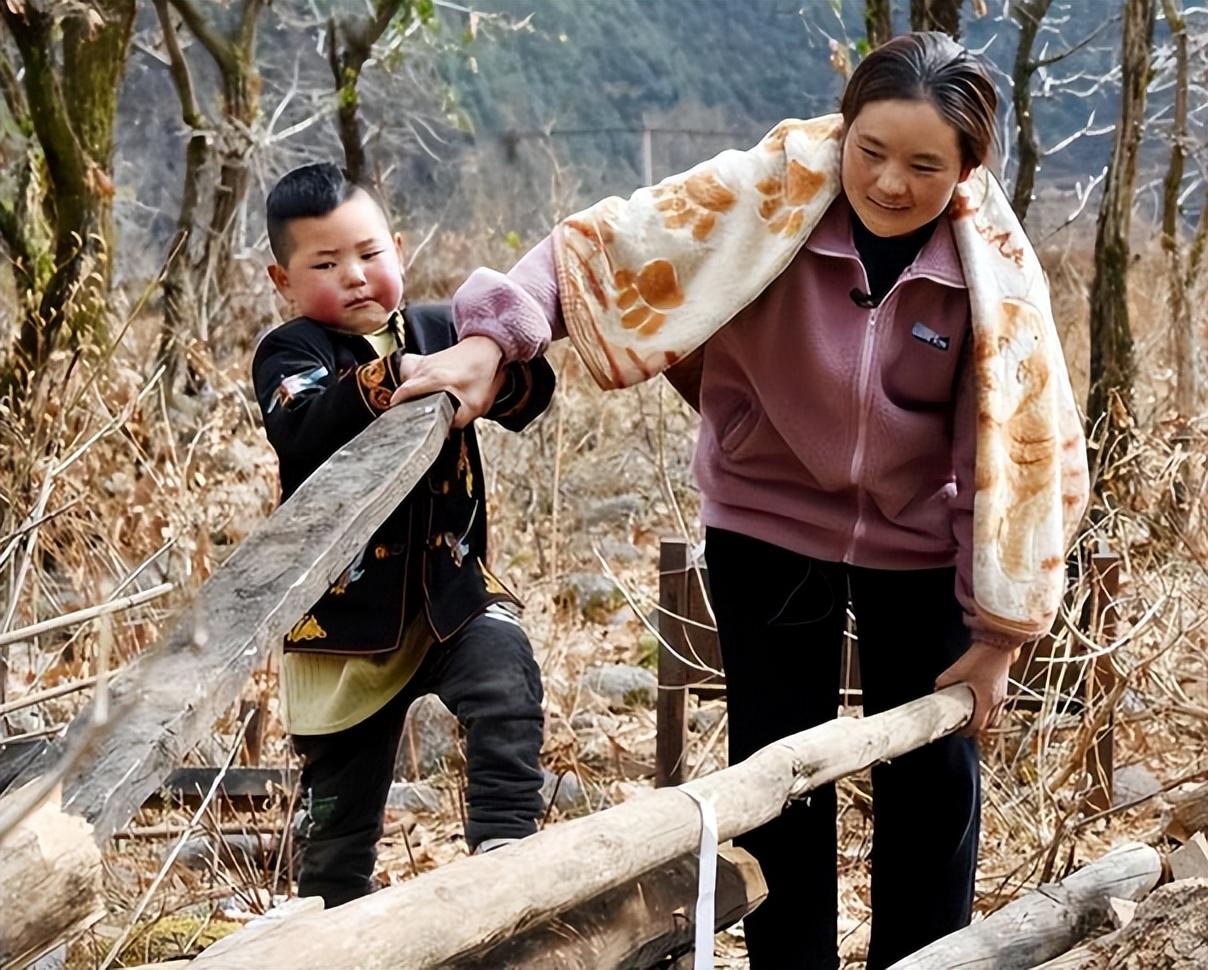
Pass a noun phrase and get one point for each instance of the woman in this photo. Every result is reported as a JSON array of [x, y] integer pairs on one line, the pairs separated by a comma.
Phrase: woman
[[878, 349]]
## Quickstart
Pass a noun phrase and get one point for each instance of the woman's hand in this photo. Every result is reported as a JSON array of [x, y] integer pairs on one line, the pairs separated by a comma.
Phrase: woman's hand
[[468, 370], [984, 669]]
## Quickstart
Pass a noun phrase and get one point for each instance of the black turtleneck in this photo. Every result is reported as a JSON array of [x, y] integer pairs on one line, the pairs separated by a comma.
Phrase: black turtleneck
[[885, 258]]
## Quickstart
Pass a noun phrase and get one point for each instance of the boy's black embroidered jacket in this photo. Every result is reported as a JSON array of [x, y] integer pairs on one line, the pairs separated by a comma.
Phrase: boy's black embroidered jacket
[[318, 388]]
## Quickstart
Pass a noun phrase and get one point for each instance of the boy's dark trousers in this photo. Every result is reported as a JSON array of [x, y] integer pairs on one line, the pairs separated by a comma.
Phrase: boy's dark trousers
[[487, 677], [780, 618]]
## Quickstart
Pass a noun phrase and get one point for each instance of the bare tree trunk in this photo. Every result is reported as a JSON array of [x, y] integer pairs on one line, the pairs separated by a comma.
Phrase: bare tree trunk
[[180, 297], [199, 271], [72, 68], [1182, 318], [878, 21], [1028, 14], [1112, 364], [349, 45], [942, 15], [25, 228]]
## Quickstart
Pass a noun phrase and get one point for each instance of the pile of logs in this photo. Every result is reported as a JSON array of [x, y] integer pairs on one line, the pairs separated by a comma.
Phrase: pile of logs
[[1107, 914]]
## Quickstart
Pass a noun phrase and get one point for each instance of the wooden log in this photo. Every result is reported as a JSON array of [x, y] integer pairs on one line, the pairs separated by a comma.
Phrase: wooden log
[[51, 856], [1168, 932], [1047, 921], [1187, 811], [631, 926], [183, 684], [175, 691], [482, 900]]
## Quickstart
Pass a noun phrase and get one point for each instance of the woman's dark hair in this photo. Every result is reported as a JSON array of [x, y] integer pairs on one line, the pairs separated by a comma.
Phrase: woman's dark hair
[[931, 66]]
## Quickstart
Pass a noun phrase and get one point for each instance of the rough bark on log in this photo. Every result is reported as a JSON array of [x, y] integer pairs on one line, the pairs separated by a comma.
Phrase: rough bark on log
[[1047, 921], [175, 691], [632, 926], [482, 900], [1168, 932], [50, 856]]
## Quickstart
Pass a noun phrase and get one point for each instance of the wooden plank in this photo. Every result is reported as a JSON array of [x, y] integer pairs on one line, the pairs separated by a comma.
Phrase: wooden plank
[[1048, 921], [633, 926], [183, 684], [173, 693], [481, 900], [239, 787]]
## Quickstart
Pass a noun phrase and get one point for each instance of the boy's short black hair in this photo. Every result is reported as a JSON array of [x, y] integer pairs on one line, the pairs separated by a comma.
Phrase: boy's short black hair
[[305, 193]]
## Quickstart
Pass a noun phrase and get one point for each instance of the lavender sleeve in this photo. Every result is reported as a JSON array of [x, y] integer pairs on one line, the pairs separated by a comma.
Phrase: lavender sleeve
[[964, 456], [519, 310]]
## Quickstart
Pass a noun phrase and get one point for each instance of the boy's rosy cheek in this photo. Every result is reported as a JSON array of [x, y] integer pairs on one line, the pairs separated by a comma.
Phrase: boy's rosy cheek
[[390, 288], [324, 303]]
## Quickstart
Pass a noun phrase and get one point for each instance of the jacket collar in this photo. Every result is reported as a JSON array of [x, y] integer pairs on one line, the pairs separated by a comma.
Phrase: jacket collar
[[937, 260]]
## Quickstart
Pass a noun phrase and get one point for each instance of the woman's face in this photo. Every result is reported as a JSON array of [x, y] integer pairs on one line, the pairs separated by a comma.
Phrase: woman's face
[[901, 163]]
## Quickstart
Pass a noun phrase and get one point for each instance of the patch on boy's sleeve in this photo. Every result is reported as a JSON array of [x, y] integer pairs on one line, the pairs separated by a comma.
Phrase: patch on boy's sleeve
[[494, 584], [297, 385], [306, 628]]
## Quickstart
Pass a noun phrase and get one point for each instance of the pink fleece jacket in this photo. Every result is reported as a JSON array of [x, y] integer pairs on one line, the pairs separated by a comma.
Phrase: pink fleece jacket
[[837, 431]]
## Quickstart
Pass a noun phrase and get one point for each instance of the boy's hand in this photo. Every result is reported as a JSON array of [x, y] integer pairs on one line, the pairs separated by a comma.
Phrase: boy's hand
[[984, 668], [468, 370]]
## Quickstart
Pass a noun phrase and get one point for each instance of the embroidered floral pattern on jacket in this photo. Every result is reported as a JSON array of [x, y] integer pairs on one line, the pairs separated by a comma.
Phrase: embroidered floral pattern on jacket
[[371, 378]]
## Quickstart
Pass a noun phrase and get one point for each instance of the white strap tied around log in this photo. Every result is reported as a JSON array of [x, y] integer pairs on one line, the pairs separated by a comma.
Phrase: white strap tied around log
[[706, 885]]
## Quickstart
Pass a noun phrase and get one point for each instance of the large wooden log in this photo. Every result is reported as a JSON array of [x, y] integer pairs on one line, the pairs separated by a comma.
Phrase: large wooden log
[[173, 693], [1168, 932], [632, 926], [480, 901], [51, 856], [1047, 921]]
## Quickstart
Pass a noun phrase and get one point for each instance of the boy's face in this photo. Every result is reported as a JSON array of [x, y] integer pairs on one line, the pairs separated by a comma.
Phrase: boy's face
[[344, 268]]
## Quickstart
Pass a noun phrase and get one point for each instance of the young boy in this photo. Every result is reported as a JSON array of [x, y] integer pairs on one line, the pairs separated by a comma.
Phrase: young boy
[[417, 612]]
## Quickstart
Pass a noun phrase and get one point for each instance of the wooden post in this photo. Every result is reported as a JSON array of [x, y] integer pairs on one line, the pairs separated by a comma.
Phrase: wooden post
[[1101, 678], [672, 704]]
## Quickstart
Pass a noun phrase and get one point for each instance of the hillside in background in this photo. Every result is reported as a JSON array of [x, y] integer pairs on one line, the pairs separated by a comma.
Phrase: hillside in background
[[600, 72], [541, 108]]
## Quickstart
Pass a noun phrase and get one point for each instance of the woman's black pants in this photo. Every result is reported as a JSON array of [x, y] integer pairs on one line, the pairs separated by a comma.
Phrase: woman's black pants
[[781, 620]]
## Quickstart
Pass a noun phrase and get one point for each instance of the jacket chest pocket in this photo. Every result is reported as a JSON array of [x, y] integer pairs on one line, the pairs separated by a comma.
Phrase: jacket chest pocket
[[921, 362]]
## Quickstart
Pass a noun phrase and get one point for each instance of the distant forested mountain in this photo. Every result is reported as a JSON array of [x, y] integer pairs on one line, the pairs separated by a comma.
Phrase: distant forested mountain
[[511, 113], [611, 67]]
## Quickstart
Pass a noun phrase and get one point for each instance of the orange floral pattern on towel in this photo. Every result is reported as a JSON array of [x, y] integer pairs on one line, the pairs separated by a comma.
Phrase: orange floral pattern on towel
[[644, 294], [785, 198], [829, 126], [696, 201]]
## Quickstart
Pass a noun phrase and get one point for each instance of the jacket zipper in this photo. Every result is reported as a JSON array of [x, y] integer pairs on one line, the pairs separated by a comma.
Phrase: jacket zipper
[[862, 403]]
